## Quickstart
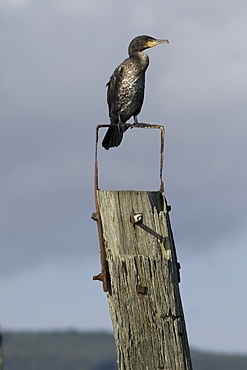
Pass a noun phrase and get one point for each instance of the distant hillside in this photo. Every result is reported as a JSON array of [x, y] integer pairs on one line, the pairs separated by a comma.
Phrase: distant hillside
[[71, 350]]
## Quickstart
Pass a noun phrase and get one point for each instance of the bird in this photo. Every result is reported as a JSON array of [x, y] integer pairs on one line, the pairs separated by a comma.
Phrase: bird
[[125, 89]]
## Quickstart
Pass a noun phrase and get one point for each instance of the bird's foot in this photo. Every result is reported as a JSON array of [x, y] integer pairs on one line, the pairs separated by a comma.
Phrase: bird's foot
[[137, 123], [122, 127]]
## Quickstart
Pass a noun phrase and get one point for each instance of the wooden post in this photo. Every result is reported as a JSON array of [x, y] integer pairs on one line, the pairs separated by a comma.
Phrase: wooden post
[[140, 274]]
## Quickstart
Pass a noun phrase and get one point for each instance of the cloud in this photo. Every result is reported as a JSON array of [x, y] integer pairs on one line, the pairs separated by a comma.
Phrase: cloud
[[56, 67], [15, 4]]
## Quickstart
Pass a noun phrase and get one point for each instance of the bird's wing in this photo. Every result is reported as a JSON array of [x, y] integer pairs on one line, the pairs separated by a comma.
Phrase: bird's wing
[[113, 84]]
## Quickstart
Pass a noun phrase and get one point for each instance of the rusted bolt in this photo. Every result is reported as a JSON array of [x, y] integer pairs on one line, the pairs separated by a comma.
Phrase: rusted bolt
[[168, 208], [94, 216], [136, 218], [141, 289], [99, 277]]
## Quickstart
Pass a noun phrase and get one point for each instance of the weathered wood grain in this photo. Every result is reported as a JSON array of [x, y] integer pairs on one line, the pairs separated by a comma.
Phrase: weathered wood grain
[[144, 298]]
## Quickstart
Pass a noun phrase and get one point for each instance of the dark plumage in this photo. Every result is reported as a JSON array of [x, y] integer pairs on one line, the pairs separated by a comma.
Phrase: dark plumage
[[125, 91]]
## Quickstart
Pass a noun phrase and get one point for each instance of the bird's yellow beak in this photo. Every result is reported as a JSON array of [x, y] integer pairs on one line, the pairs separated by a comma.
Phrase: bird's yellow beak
[[156, 42]]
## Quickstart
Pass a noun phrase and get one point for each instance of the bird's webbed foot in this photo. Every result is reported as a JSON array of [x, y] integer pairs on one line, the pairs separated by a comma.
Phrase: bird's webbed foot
[[136, 122]]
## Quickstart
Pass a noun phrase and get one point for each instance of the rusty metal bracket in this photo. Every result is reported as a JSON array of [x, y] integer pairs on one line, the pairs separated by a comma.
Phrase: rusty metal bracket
[[104, 275], [128, 125], [141, 289]]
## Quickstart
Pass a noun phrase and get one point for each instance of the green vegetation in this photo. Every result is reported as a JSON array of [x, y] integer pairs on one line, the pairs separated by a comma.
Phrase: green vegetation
[[214, 361], [86, 351], [68, 350]]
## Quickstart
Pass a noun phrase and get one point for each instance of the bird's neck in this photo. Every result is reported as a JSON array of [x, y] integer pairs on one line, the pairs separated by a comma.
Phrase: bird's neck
[[142, 58]]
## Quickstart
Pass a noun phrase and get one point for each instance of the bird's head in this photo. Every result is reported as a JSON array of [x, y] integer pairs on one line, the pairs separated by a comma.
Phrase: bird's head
[[143, 42]]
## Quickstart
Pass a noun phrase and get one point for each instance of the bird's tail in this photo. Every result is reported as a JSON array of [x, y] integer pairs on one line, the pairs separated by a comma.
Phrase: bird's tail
[[113, 137]]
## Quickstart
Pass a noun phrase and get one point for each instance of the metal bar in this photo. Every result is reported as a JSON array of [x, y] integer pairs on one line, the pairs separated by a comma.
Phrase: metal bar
[[104, 275], [128, 125]]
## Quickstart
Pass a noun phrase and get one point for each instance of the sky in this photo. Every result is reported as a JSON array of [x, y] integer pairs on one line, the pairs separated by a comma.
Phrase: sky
[[57, 57]]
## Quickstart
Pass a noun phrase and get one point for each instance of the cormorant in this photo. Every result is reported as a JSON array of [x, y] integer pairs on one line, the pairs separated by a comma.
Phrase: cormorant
[[125, 91]]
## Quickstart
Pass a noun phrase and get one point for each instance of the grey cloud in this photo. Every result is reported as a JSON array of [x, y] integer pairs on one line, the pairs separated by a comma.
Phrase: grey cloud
[[56, 65]]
